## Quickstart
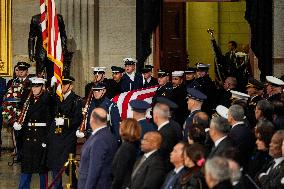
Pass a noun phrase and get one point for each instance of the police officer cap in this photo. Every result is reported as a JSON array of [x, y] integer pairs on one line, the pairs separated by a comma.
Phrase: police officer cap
[[239, 95], [190, 70], [67, 79], [99, 86], [37, 81], [177, 73], [116, 69], [147, 68], [222, 111], [195, 94], [23, 65], [129, 61], [253, 83], [162, 73], [202, 66], [274, 81], [166, 101], [99, 69], [139, 105]]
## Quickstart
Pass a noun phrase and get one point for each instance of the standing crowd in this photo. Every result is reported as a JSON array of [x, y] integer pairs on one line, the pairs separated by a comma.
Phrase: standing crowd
[[200, 135]]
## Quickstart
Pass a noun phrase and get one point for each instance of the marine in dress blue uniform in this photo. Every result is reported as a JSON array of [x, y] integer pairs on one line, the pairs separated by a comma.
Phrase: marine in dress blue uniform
[[62, 138], [100, 100], [131, 80], [139, 108], [35, 131]]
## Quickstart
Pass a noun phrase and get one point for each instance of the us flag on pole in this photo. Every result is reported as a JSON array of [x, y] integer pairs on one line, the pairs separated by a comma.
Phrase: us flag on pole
[[53, 39], [122, 100]]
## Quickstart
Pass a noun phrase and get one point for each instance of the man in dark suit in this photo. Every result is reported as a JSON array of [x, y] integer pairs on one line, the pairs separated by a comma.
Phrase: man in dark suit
[[219, 129], [225, 95], [217, 173], [148, 79], [131, 80], [240, 133], [149, 170], [95, 169], [168, 130], [177, 160], [271, 174], [230, 59], [139, 108], [195, 100]]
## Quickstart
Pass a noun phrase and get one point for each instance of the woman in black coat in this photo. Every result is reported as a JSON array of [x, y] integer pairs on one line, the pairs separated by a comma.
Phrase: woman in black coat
[[264, 131], [125, 156], [194, 161]]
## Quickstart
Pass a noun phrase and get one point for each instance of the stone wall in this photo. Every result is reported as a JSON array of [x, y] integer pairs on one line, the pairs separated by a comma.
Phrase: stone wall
[[278, 38], [100, 33]]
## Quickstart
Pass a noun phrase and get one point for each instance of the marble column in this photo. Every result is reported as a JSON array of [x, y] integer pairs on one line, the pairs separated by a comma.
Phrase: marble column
[[278, 38]]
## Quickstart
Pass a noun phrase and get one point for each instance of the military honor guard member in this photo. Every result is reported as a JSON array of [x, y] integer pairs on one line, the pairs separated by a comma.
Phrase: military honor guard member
[[139, 108], [205, 84], [34, 123], [189, 76], [100, 100], [274, 88], [255, 91], [165, 86], [99, 76], [62, 134], [115, 83], [195, 99], [179, 97], [148, 79], [131, 80]]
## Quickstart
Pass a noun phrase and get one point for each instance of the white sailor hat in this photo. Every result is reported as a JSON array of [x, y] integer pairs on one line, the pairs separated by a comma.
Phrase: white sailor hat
[[222, 111], [239, 95], [274, 81], [99, 69], [129, 61], [202, 66], [177, 73], [37, 80], [240, 54]]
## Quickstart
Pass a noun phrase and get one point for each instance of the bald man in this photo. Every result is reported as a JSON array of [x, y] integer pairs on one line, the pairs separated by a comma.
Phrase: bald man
[[149, 170], [95, 169]]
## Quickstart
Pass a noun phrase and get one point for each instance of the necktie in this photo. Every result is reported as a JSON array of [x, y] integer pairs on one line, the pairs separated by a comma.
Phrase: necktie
[[138, 166], [171, 180], [271, 166]]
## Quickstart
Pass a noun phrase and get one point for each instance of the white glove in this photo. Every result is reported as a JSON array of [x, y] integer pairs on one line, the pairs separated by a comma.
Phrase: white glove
[[59, 121], [17, 126], [53, 81], [79, 134]]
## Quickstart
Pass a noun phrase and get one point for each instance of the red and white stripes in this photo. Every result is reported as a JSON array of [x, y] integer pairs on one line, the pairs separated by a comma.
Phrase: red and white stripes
[[54, 47]]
